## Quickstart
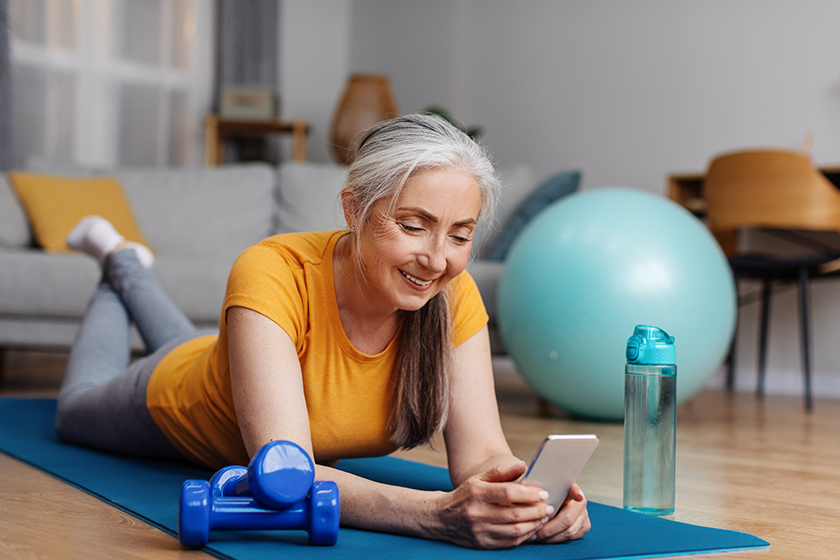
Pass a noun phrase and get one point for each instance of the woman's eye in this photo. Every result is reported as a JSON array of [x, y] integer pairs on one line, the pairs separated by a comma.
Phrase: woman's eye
[[410, 228]]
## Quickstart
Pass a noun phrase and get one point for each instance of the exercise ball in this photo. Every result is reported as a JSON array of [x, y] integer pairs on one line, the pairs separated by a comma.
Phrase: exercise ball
[[588, 269]]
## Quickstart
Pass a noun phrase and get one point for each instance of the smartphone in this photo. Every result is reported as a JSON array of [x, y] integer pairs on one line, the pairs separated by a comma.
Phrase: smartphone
[[557, 464]]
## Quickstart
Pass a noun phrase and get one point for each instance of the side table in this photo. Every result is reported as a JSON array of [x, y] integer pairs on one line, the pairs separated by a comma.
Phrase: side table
[[216, 129]]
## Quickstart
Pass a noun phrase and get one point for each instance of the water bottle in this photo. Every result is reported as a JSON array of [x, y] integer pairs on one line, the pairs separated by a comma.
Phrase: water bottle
[[650, 393]]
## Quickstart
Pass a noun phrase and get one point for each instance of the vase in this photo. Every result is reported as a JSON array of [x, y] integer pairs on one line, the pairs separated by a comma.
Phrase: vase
[[366, 100]]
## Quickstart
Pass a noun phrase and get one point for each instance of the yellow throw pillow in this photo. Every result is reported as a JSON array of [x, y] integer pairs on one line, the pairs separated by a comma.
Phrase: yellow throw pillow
[[55, 204]]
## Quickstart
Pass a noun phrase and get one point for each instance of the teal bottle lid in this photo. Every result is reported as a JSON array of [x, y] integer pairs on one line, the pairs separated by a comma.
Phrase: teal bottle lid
[[651, 346]]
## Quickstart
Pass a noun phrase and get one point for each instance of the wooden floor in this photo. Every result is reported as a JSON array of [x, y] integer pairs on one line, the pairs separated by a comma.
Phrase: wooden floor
[[760, 466]]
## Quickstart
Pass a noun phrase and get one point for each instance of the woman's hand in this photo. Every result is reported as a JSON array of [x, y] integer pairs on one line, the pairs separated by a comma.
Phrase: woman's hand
[[492, 510], [570, 523]]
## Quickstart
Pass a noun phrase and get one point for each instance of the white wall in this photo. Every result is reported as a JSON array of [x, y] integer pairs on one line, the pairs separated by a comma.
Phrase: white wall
[[314, 64], [418, 45], [625, 91]]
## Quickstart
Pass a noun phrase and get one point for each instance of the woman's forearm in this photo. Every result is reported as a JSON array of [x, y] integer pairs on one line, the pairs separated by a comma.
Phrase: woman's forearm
[[373, 506]]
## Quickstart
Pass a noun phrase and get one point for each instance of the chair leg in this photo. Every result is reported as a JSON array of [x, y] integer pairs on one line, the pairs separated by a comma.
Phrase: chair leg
[[805, 338], [732, 356], [766, 294], [730, 362]]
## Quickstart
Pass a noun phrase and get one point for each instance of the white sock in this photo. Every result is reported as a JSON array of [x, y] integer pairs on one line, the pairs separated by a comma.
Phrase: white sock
[[97, 237]]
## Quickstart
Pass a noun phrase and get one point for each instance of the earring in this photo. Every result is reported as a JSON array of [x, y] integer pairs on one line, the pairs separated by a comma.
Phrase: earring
[[353, 229]]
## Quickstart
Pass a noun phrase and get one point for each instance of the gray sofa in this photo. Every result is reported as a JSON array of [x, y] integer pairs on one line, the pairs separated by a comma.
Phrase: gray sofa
[[198, 220]]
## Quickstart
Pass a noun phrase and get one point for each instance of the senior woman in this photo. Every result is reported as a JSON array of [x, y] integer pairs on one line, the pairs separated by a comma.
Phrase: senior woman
[[349, 343]]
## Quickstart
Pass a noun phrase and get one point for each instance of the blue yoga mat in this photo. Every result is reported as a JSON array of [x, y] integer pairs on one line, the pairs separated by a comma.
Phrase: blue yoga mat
[[150, 491]]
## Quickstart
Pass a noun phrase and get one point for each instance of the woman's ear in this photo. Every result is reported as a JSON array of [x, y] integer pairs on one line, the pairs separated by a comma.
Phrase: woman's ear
[[350, 205]]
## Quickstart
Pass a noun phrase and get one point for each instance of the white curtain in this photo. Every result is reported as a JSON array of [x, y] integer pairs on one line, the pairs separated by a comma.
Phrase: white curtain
[[110, 82], [6, 156], [247, 55], [247, 42]]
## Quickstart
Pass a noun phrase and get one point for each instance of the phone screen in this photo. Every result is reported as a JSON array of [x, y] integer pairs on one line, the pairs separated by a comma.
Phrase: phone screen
[[557, 464]]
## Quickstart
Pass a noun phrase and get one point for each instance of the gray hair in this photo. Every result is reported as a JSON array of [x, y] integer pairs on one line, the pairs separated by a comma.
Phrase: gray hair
[[386, 155]]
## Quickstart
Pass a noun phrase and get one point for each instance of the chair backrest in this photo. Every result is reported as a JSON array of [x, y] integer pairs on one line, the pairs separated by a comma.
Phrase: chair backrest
[[771, 189]]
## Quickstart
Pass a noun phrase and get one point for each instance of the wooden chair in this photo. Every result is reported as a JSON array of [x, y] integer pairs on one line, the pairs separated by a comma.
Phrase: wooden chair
[[778, 190]]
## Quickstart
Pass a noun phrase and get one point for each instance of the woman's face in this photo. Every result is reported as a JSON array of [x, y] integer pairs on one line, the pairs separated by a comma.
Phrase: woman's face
[[413, 248]]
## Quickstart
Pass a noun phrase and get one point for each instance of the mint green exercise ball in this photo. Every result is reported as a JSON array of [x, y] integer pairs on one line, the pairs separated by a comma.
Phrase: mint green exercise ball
[[588, 269]]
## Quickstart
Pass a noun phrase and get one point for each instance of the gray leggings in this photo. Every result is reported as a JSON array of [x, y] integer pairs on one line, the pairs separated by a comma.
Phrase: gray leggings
[[102, 402]]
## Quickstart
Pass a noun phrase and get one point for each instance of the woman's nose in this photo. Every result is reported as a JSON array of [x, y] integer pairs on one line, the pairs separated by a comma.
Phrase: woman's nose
[[433, 256]]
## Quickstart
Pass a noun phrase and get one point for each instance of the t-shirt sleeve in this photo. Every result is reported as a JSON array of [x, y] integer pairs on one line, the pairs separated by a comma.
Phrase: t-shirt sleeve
[[266, 281], [468, 312]]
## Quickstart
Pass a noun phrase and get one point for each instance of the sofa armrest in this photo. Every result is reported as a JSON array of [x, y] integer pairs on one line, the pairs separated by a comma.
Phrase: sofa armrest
[[486, 275]]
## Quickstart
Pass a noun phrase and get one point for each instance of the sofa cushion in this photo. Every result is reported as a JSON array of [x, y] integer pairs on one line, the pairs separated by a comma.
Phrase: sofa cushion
[[202, 211], [54, 204], [38, 164], [195, 283], [38, 284], [549, 191], [308, 197], [14, 229]]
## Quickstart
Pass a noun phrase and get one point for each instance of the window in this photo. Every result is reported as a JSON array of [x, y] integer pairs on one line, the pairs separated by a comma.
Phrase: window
[[110, 82]]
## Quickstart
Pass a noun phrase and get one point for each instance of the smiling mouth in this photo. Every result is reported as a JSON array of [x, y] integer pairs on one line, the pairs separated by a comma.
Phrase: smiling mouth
[[416, 280]]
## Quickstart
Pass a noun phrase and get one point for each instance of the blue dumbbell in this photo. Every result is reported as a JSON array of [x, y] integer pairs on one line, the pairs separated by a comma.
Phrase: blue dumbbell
[[201, 511], [279, 475]]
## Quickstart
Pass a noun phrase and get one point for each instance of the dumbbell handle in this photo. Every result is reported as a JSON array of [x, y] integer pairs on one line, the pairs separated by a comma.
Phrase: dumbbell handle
[[229, 481], [242, 512]]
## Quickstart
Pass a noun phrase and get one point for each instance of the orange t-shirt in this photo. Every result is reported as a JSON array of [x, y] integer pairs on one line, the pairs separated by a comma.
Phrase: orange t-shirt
[[289, 279]]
